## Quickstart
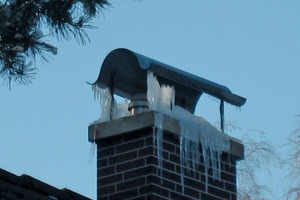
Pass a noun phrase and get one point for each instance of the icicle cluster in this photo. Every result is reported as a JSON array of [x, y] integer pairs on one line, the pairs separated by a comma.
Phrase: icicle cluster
[[197, 136], [195, 132], [109, 108]]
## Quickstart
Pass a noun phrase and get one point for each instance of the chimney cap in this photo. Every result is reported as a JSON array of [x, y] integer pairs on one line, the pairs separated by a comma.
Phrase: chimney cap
[[124, 72]]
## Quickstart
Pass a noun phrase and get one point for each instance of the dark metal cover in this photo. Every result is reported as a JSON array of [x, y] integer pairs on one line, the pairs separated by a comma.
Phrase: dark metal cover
[[125, 73]]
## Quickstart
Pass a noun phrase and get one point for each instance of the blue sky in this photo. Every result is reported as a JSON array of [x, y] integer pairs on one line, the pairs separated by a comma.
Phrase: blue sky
[[252, 47]]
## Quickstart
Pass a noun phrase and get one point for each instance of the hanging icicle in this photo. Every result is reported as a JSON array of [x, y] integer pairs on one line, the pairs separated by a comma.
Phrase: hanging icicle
[[159, 139], [109, 108], [105, 100], [195, 131]]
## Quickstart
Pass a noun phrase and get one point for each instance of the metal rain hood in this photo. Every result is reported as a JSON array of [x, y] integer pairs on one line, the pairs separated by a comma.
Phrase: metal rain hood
[[124, 72]]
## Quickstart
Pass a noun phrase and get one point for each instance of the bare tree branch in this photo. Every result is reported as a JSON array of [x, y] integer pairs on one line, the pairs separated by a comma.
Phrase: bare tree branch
[[293, 162], [259, 155]]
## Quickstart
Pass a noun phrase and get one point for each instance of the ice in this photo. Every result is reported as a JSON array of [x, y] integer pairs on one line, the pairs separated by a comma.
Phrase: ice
[[182, 160], [120, 109], [161, 98], [194, 131], [109, 108], [105, 99], [159, 139], [93, 147], [92, 152], [197, 136]]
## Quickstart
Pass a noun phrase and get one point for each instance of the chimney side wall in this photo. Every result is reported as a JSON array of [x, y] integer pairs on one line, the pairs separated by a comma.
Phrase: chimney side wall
[[127, 168]]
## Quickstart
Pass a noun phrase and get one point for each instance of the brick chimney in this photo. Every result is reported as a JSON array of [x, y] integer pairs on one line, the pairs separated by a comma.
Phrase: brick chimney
[[160, 150]]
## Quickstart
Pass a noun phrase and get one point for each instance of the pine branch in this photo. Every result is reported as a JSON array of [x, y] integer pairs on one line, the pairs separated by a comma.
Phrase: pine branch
[[21, 37]]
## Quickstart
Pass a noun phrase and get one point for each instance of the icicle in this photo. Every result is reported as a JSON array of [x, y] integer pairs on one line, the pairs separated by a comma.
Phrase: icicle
[[229, 160], [120, 109], [194, 155], [188, 155], [154, 139], [194, 131], [109, 107], [197, 157], [105, 104], [105, 100], [182, 161], [161, 98], [93, 147], [214, 164], [159, 139], [238, 108], [219, 153], [92, 152], [153, 91], [206, 164]]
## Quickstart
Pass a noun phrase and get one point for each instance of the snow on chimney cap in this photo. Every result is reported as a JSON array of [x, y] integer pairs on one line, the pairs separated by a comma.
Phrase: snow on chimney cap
[[124, 72]]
